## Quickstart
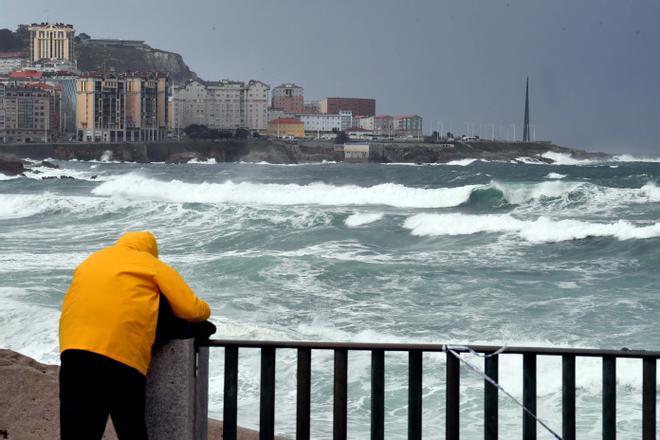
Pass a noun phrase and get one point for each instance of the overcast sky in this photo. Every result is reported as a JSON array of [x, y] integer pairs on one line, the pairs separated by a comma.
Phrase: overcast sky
[[594, 65]]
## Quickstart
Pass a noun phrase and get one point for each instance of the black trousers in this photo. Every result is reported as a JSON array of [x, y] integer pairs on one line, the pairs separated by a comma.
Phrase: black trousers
[[92, 387]]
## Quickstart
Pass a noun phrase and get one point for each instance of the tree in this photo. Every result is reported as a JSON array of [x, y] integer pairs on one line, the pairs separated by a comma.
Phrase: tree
[[450, 135], [9, 41], [197, 131], [241, 133], [342, 138], [435, 135]]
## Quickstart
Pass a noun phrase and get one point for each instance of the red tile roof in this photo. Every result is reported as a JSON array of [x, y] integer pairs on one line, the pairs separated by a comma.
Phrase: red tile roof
[[25, 74]]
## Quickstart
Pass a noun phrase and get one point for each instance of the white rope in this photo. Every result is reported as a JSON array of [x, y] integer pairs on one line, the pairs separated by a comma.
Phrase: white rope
[[452, 349]]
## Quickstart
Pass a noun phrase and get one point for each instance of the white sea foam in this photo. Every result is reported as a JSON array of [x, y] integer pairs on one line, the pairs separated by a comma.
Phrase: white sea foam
[[14, 206], [360, 219], [555, 176], [39, 173], [631, 158], [210, 161], [529, 161], [5, 177], [106, 156], [519, 193], [462, 162], [541, 230], [565, 159], [132, 186]]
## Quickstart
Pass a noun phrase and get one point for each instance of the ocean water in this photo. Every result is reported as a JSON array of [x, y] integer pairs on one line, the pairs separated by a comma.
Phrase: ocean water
[[470, 252]]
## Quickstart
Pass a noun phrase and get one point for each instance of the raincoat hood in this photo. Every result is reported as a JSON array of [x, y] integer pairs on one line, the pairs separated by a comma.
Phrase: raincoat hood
[[143, 241]]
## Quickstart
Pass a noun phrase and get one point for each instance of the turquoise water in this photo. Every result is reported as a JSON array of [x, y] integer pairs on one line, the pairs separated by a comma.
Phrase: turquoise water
[[495, 253]]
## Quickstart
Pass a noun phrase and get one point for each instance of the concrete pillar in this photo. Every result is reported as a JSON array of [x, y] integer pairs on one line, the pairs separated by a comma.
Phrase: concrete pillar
[[177, 392]]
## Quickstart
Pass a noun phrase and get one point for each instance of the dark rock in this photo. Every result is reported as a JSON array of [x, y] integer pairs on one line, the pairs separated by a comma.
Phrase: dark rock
[[46, 164], [184, 157], [11, 167]]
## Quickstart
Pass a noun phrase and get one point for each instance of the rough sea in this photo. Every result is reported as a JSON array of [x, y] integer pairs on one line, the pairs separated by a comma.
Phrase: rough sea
[[469, 252]]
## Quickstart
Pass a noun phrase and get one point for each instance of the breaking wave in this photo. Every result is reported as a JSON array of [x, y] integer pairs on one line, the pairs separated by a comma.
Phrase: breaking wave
[[360, 219], [541, 230], [492, 195], [388, 194]]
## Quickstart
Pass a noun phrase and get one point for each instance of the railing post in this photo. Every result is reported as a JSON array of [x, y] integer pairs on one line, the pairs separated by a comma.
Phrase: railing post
[[202, 394], [609, 398], [453, 398], [491, 409], [230, 393], [267, 400], [414, 395], [340, 395], [171, 391], [304, 393], [529, 396], [648, 398], [568, 397], [377, 395]]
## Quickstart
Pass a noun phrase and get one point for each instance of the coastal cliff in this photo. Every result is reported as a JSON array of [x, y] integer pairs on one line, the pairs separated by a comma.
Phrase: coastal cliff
[[280, 152], [114, 55]]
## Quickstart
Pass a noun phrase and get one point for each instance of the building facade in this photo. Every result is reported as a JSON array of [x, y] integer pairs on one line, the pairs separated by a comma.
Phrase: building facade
[[358, 106], [407, 125], [10, 61], [383, 125], [221, 105], [28, 113], [289, 97], [319, 123], [364, 122], [256, 106], [51, 42], [129, 107], [312, 107], [285, 127]]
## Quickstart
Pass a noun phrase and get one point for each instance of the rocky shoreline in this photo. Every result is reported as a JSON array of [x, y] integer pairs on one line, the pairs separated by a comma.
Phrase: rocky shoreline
[[280, 152], [29, 409]]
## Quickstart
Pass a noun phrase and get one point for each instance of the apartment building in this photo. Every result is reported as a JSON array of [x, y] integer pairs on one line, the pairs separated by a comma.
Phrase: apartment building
[[28, 112], [221, 104], [407, 125], [358, 106], [286, 127], [289, 97], [320, 123], [10, 61], [51, 41], [128, 107]]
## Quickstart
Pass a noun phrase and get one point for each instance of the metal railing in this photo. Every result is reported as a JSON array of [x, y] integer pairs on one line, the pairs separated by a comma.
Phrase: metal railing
[[452, 395]]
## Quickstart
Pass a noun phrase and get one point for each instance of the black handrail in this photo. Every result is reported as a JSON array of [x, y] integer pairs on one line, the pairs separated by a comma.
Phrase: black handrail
[[415, 351]]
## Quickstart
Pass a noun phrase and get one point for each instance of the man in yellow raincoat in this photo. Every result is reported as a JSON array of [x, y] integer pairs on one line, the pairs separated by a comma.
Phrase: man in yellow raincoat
[[107, 329]]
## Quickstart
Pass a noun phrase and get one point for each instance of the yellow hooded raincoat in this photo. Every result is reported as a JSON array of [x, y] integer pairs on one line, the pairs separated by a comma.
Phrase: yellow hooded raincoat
[[111, 307]]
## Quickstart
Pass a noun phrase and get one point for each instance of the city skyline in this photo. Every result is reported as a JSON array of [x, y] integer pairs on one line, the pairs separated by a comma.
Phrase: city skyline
[[460, 65]]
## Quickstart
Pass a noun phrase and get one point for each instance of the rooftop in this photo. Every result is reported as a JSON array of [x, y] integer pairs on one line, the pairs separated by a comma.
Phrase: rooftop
[[25, 74], [285, 121], [288, 86]]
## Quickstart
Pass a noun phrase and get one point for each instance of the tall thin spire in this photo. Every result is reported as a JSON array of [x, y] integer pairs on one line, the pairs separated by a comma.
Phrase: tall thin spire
[[526, 125]]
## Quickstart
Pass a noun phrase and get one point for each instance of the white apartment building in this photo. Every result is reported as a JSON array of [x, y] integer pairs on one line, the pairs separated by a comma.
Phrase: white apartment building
[[189, 105], [322, 123], [366, 123], [256, 95], [346, 117], [221, 104]]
